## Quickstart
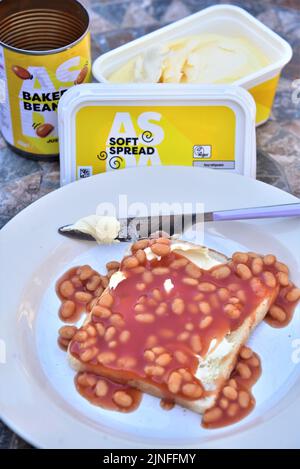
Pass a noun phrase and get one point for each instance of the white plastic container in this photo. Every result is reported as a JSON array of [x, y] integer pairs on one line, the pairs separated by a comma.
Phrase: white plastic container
[[223, 19], [209, 126]]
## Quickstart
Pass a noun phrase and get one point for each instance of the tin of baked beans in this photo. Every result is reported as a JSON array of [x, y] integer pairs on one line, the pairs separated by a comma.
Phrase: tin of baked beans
[[44, 50]]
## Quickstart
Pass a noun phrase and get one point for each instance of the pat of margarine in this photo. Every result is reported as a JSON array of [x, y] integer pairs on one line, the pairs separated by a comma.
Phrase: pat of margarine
[[104, 229], [205, 58]]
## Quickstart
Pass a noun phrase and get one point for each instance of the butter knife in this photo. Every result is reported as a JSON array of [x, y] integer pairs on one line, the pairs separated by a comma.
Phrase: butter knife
[[141, 227]]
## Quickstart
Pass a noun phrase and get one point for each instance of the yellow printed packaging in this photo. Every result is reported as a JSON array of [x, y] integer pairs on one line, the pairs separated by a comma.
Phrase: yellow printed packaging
[[38, 67], [107, 128], [229, 21]]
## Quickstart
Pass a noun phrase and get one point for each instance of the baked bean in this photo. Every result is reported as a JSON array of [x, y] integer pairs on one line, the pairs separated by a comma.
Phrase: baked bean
[[101, 311], [106, 357], [149, 355], [161, 309], [106, 300], [140, 286], [232, 382], [88, 343], [164, 359], [117, 320], [112, 344], [183, 336], [230, 393], [91, 304], [276, 312], [232, 410], [76, 282], [174, 382], [126, 362], [98, 292], [253, 361], [283, 279], [104, 281], [130, 262], [151, 302], [160, 270], [160, 249], [90, 329], [81, 336], [192, 390], [101, 388], [141, 244], [198, 297], [148, 277], [257, 287], [88, 355], [196, 343], [233, 287], [66, 289], [243, 370], [166, 333], [86, 380], [244, 399], [109, 333], [164, 240], [240, 257], [177, 306], [93, 283], [145, 318], [158, 350], [83, 297], [257, 266], [110, 273], [138, 270], [243, 271], [113, 265], [223, 294], [206, 322], [246, 353], [154, 370], [190, 281], [269, 279], [189, 326], [206, 287], [124, 337], [269, 259], [139, 308], [178, 263], [232, 311], [141, 256], [212, 415], [193, 271], [186, 375], [224, 403], [281, 267], [293, 294], [151, 341], [84, 272], [241, 295], [142, 299], [181, 357], [67, 332], [156, 293], [233, 300], [122, 399], [204, 307], [100, 329], [221, 272], [67, 309]]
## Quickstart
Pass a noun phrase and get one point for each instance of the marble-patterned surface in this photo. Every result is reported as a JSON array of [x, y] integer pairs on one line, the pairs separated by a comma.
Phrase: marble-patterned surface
[[115, 22]]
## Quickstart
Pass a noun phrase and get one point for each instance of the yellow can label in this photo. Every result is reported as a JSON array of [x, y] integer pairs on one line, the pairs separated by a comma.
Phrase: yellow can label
[[33, 87], [115, 137]]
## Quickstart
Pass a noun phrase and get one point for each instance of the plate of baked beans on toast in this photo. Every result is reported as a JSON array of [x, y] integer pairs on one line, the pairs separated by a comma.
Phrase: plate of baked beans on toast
[[186, 341]]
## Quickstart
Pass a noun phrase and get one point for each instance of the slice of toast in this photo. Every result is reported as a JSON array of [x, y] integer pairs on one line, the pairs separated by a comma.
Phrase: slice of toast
[[194, 286]]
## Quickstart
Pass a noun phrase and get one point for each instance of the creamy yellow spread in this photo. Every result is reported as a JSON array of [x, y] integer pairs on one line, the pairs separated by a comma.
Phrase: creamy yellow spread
[[205, 58]]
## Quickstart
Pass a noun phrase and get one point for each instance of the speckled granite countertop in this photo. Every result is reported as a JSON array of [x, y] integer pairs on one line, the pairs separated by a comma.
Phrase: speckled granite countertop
[[115, 22]]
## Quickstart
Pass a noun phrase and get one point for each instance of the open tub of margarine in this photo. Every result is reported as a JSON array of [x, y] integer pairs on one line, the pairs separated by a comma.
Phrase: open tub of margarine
[[220, 44], [105, 127]]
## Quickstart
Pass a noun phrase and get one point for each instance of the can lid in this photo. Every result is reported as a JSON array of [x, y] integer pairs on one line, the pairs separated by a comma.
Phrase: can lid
[[211, 126]]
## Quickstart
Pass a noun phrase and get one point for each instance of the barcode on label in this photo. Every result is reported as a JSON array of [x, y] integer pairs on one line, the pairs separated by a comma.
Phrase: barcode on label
[[84, 171]]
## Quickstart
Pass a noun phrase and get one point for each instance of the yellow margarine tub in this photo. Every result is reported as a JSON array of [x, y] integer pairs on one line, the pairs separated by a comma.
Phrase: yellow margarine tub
[[105, 127], [221, 44]]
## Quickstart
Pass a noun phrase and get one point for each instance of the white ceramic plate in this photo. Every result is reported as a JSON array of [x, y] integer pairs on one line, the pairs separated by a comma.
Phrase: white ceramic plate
[[37, 396]]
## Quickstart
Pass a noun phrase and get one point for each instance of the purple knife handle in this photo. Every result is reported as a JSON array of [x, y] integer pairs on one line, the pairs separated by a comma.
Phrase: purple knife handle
[[274, 211]]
